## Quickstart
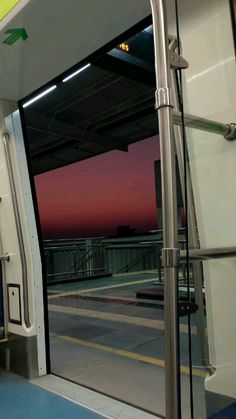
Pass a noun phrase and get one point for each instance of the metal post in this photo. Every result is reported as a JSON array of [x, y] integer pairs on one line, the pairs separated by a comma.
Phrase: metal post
[[170, 252]]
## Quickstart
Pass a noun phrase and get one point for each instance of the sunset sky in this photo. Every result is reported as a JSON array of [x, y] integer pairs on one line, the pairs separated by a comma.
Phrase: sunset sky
[[95, 196]]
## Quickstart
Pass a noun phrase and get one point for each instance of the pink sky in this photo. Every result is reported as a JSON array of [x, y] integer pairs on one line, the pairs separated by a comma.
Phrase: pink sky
[[94, 196]]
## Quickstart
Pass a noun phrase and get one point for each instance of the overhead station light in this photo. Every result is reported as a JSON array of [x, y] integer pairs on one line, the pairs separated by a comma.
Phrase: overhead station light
[[76, 72], [39, 96], [124, 47]]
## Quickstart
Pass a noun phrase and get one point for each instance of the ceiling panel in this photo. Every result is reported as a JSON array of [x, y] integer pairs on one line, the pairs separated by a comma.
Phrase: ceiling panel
[[60, 34]]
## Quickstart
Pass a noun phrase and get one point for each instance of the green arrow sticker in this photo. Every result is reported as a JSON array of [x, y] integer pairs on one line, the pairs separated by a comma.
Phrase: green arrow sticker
[[15, 35]]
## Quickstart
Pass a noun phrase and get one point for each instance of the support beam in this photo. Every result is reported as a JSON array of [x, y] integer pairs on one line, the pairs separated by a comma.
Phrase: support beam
[[41, 123]]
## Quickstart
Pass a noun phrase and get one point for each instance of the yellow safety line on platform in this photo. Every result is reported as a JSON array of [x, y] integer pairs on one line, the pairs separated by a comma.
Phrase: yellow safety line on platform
[[127, 354], [113, 317], [105, 287]]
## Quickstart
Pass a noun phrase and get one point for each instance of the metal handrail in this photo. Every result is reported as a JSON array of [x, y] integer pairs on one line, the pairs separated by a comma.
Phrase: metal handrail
[[5, 257], [207, 254], [150, 247], [6, 139], [102, 268], [68, 247], [85, 258], [164, 107], [138, 258], [131, 245], [192, 121]]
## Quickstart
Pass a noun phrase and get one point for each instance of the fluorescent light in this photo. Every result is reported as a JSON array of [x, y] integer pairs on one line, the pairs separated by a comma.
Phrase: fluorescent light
[[39, 96], [76, 72]]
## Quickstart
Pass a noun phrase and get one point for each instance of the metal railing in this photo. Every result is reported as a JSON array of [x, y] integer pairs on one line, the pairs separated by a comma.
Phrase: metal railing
[[84, 260], [62, 275], [192, 121], [207, 254], [134, 262], [88, 258], [114, 256]]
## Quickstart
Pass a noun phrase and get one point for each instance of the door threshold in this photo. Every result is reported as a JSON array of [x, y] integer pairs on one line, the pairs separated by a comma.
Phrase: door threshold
[[98, 403]]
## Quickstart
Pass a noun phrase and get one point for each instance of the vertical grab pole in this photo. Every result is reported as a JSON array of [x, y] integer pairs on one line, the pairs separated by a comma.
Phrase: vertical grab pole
[[170, 253]]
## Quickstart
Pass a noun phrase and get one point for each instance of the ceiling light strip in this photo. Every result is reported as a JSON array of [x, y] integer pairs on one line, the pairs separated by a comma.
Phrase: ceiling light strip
[[76, 72], [39, 96]]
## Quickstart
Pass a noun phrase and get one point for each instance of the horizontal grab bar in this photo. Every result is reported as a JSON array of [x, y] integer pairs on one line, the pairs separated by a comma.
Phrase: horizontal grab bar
[[227, 130], [206, 254], [5, 257]]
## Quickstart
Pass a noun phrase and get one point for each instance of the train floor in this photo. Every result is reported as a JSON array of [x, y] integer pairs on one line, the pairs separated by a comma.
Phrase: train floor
[[104, 338], [20, 399]]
